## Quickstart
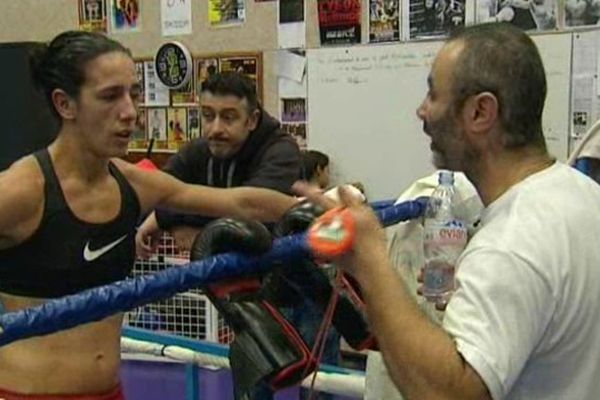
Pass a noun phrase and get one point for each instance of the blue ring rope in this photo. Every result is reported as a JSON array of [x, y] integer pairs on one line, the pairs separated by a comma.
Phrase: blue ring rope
[[103, 301]]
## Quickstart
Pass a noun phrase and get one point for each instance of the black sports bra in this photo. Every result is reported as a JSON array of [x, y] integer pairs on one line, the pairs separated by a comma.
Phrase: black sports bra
[[66, 255]]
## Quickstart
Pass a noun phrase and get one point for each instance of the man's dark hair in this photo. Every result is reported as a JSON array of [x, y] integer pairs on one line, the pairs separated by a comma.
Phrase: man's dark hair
[[61, 63], [502, 59], [311, 159], [232, 83]]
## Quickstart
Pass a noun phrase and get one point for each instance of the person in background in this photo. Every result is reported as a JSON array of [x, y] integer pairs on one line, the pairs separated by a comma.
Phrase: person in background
[[240, 145], [315, 168]]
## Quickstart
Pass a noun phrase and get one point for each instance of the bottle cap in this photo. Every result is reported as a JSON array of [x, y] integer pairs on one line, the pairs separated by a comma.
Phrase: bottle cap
[[446, 177]]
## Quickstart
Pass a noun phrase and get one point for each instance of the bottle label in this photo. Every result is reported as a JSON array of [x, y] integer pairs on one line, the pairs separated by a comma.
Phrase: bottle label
[[451, 233], [443, 244]]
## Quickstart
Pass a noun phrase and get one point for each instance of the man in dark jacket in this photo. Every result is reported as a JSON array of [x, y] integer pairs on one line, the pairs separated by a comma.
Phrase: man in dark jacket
[[241, 145]]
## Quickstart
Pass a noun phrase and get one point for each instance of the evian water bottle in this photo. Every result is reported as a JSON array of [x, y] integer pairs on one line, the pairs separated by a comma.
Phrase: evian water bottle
[[445, 237]]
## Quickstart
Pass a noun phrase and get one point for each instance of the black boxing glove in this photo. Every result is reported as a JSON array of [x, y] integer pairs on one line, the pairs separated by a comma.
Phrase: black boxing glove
[[265, 346], [304, 278]]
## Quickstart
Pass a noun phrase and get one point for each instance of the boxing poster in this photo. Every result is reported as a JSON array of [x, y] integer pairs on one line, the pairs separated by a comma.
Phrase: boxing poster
[[203, 68], [339, 21], [226, 12], [293, 119], [384, 20], [138, 139], [434, 18], [532, 15], [92, 15], [139, 71], [124, 15], [293, 110], [156, 125], [297, 130], [247, 65], [193, 123], [582, 12], [176, 127]]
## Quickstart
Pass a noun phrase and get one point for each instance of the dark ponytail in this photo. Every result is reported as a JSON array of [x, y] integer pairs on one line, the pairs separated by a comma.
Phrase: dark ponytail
[[37, 53]]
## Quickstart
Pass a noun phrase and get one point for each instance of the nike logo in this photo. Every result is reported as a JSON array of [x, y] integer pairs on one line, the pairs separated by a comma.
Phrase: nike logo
[[90, 255]]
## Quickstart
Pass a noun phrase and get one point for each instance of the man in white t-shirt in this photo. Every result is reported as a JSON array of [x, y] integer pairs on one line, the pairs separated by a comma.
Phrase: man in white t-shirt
[[524, 321]]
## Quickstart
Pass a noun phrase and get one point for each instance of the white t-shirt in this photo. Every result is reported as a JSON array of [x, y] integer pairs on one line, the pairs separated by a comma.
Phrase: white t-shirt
[[526, 312]]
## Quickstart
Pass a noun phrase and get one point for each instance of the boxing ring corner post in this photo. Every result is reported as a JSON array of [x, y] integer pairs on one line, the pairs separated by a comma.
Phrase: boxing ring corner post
[[192, 382]]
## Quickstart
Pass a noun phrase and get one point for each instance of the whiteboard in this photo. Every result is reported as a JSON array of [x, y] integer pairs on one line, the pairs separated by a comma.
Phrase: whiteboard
[[362, 103]]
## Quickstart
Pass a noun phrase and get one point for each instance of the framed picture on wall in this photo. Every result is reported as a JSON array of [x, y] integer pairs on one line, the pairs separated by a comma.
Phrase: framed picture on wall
[[155, 92], [226, 12], [139, 137], [339, 21], [124, 15], [92, 15], [581, 12], [203, 68], [384, 20], [433, 18], [156, 126], [535, 15], [297, 131], [249, 65], [139, 71], [193, 123], [293, 110], [176, 127], [184, 96]]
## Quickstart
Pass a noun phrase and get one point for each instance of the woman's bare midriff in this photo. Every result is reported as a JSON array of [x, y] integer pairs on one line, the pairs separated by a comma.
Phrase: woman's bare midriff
[[81, 360]]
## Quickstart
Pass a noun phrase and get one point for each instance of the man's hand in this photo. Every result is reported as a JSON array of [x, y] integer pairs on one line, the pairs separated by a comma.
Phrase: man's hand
[[147, 237], [184, 236], [369, 236], [440, 305], [411, 345]]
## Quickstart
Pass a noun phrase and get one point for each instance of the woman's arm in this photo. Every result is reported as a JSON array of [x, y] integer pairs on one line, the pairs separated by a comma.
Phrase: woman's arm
[[21, 202], [156, 188]]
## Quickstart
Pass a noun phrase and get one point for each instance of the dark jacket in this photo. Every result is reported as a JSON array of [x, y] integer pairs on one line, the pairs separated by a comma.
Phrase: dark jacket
[[269, 158]]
